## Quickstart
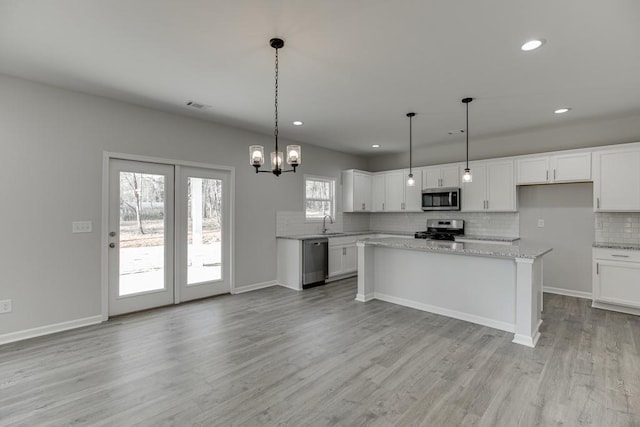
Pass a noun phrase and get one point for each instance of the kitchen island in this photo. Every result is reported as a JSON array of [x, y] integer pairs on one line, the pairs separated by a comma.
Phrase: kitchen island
[[499, 286]]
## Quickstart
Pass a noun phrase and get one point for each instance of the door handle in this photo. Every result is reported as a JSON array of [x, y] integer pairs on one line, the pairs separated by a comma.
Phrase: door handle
[[554, 174], [344, 251], [620, 256], [382, 205], [597, 268], [598, 202], [547, 175], [112, 245], [112, 234]]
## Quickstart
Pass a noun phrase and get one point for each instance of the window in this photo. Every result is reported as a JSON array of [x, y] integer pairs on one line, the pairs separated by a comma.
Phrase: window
[[319, 197]]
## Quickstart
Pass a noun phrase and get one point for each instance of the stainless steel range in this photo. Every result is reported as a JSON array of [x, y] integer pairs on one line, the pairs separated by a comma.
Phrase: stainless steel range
[[442, 229]]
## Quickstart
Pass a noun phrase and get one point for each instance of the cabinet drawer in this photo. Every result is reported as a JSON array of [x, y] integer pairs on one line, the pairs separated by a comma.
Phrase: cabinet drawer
[[345, 240], [616, 254]]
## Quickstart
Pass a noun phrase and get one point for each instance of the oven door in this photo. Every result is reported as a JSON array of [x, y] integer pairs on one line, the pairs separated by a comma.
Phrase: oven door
[[441, 199]]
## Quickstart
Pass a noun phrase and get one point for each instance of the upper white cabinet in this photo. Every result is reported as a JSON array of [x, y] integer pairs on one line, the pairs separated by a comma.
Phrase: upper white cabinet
[[548, 169], [493, 187], [391, 193], [356, 191], [441, 176], [616, 180]]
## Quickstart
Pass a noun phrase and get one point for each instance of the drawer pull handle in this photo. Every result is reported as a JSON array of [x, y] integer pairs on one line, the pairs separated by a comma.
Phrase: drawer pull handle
[[620, 256]]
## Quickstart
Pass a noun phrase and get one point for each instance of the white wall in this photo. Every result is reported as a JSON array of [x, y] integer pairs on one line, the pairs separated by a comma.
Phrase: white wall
[[567, 211], [52, 145], [570, 135]]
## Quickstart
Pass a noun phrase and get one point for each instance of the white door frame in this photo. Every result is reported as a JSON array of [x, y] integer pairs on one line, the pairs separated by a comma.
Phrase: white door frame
[[104, 238]]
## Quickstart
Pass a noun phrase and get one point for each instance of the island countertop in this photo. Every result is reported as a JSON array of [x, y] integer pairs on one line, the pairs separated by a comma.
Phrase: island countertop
[[523, 249]]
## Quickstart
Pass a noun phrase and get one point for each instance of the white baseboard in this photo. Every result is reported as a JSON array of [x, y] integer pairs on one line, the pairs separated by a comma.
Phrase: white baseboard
[[254, 287], [615, 307], [288, 287], [566, 292], [496, 324], [49, 329]]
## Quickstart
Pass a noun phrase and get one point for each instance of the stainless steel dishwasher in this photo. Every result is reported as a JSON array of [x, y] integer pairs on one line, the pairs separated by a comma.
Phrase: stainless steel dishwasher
[[315, 262]]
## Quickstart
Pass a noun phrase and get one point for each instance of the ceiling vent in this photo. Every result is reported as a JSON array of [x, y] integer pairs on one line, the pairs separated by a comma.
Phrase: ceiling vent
[[197, 105]]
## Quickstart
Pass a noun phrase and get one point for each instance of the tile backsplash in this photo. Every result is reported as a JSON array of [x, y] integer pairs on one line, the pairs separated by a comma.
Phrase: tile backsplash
[[617, 227], [505, 224]]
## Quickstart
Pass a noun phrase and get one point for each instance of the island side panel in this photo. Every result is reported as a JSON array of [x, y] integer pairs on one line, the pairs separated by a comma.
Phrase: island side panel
[[528, 301], [365, 272], [472, 288]]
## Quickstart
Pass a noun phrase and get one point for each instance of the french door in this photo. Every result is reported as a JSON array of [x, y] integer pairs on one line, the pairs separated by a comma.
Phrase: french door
[[168, 234]]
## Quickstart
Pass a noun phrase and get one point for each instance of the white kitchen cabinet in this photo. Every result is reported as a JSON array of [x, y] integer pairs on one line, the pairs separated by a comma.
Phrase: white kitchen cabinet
[[445, 176], [335, 260], [390, 192], [378, 192], [616, 180], [557, 168], [616, 279], [394, 188], [492, 189], [356, 191], [343, 259], [413, 195]]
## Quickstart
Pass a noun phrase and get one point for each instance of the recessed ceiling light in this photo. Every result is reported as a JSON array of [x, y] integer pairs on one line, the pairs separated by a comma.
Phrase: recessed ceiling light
[[532, 44], [375, 146], [298, 123], [562, 110]]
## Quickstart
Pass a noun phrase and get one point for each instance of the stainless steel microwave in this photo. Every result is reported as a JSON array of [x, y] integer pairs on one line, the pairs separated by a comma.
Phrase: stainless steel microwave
[[441, 199]]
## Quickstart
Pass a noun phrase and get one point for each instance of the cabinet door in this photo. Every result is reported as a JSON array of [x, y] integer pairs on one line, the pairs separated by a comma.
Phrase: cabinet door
[[378, 192], [571, 167], [533, 170], [450, 176], [394, 191], [361, 192], [335, 260], [413, 195], [617, 283], [473, 193], [616, 181], [350, 259], [501, 187], [431, 177]]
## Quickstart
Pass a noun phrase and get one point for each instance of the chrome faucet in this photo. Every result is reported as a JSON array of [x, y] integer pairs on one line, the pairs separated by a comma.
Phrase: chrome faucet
[[324, 223]]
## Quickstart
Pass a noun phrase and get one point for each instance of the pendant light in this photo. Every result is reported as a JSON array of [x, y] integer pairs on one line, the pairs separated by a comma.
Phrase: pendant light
[[410, 182], [294, 152], [467, 172]]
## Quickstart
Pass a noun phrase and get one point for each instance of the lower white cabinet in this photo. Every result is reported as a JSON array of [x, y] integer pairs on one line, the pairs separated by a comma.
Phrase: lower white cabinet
[[343, 255], [616, 279]]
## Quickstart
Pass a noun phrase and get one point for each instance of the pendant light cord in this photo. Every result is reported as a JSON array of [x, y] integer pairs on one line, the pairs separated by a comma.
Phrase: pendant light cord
[[275, 132], [467, 132], [410, 144]]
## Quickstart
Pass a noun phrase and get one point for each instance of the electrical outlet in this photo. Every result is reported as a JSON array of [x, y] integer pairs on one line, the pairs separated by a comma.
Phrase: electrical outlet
[[541, 223], [81, 227], [5, 306]]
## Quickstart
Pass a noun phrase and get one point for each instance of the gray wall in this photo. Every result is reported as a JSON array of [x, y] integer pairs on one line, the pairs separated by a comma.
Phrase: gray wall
[[52, 145], [567, 211], [573, 134]]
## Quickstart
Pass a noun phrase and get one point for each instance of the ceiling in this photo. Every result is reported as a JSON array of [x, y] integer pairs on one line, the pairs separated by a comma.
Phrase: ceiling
[[350, 69]]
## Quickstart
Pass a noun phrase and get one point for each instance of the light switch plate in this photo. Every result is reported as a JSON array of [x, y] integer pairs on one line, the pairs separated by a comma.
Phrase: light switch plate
[[81, 227], [541, 223]]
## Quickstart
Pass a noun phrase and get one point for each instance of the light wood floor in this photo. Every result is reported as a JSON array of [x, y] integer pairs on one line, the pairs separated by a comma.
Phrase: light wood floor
[[317, 357]]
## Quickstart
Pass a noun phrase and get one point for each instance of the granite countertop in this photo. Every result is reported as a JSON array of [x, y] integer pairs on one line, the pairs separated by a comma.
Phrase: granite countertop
[[523, 249], [628, 246], [492, 238], [342, 234]]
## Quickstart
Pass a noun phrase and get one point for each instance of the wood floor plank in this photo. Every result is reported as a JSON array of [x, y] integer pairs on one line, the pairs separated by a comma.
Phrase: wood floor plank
[[317, 357]]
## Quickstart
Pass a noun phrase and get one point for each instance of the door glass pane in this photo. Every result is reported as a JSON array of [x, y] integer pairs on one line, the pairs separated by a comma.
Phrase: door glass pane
[[142, 233], [204, 224]]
